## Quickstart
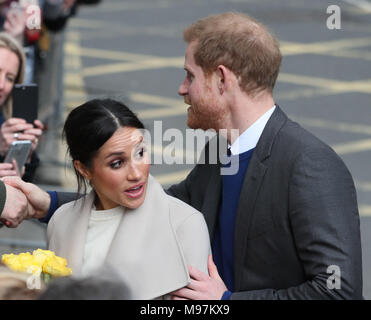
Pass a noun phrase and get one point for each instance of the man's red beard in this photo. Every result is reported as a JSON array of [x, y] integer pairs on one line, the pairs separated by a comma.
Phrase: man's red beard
[[204, 115]]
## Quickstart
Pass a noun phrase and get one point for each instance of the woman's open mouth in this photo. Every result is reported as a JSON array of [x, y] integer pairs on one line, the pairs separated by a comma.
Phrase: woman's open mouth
[[135, 191]]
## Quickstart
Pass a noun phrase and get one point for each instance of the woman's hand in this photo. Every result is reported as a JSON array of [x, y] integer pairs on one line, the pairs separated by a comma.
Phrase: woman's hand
[[7, 169], [15, 129], [11, 169], [36, 133], [15, 23]]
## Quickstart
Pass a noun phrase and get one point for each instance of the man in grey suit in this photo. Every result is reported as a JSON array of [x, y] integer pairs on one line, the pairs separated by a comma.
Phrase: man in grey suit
[[286, 224]]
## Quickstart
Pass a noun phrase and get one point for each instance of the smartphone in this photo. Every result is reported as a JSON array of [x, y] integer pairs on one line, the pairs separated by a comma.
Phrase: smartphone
[[19, 151], [25, 101]]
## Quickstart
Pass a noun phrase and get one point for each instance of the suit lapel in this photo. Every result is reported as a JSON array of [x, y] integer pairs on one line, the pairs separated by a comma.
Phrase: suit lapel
[[250, 189], [249, 192], [212, 200]]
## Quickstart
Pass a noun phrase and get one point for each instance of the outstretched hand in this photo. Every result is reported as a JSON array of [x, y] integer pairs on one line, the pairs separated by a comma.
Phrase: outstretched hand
[[38, 199], [202, 286]]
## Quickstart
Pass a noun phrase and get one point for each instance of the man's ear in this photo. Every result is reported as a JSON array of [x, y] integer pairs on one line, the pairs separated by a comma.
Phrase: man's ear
[[82, 169], [224, 76]]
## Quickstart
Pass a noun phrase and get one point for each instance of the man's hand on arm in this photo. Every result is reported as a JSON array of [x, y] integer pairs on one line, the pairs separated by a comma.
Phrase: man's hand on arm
[[202, 286], [38, 200]]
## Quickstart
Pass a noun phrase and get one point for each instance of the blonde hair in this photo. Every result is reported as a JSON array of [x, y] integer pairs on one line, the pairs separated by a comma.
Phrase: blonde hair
[[240, 43], [9, 42]]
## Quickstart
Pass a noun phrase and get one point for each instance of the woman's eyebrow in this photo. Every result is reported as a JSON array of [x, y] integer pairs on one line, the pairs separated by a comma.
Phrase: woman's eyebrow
[[115, 154]]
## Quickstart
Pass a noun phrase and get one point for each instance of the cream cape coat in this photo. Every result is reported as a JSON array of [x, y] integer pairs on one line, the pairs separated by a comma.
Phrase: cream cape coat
[[151, 248]]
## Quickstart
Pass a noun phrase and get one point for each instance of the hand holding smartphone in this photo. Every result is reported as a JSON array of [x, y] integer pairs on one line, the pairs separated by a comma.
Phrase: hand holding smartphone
[[19, 151], [25, 102]]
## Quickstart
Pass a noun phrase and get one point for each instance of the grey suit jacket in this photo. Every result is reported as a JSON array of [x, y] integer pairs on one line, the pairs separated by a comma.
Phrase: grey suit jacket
[[297, 217]]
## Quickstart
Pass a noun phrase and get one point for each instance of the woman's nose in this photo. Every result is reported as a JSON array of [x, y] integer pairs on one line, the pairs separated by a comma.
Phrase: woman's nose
[[134, 172], [2, 82]]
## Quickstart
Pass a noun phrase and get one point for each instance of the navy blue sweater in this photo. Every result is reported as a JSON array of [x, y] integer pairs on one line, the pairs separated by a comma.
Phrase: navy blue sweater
[[223, 242]]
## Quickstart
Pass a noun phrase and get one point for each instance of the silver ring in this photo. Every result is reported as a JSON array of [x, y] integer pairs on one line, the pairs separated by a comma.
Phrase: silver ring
[[16, 135]]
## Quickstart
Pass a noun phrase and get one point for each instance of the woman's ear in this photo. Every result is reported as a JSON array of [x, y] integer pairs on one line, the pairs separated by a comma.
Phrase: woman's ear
[[82, 169]]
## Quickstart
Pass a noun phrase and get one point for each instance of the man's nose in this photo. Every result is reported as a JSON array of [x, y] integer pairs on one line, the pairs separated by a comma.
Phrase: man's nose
[[182, 91]]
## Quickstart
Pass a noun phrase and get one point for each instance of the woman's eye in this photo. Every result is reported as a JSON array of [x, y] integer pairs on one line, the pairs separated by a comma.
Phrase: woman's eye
[[10, 79], [116, 164]]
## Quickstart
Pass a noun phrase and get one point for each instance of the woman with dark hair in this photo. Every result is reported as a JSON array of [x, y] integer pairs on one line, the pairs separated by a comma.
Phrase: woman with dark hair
[[126, 221]]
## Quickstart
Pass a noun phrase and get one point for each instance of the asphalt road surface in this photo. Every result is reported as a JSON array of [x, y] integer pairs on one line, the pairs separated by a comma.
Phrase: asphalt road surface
[[133, 51]]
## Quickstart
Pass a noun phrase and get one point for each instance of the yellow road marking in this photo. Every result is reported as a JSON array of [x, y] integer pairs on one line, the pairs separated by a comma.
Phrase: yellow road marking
[[363, 186], [335, 86], [106, 6], [172, 177], [170, 106], [321, 47], [301, 93], [333, 125], [133, 66], [364, 210], [109, 54], [74, 94], [352, 147], [353, 54]]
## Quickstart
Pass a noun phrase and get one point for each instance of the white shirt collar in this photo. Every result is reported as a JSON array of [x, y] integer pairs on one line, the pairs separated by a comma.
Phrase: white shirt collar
[[250, 137]]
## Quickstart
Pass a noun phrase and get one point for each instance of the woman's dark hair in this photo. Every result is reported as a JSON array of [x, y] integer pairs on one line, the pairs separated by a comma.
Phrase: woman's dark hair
[[90, 125]]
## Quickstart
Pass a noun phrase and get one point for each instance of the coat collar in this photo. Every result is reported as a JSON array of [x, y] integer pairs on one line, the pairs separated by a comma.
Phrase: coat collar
[[145, 250], [274, 124]]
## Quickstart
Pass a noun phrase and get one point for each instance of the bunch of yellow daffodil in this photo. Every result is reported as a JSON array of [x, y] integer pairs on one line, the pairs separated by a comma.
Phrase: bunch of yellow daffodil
[[39, 262]]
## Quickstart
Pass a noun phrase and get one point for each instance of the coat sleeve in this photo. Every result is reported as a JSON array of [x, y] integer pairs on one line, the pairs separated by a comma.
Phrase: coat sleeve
[[193, 236], [324, 218]]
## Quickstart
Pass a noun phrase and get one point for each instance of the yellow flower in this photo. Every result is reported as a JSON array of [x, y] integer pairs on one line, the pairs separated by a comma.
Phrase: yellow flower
[[40, 261], [56, 266], [12, 261], [41, 255]]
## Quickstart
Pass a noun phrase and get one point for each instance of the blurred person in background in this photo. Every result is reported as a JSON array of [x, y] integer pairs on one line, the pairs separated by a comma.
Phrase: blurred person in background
[[16, 285], [104, 284], [56, 13], [12, 64], [22, 20]]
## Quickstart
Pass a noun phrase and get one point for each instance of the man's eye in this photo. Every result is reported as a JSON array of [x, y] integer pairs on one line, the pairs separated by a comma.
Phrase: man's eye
[[116, 164]]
